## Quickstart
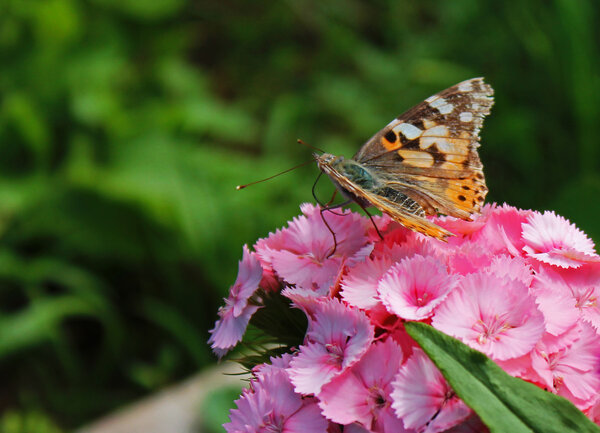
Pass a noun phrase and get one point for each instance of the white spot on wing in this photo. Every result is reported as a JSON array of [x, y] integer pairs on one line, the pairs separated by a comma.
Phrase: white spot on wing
[[466, 116], [442, 106], [417, 158], [409, 131], [437, 131], [467, 86]]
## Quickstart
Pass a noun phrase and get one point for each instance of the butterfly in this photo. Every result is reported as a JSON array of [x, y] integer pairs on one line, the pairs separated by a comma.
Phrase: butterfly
[[422, 163]]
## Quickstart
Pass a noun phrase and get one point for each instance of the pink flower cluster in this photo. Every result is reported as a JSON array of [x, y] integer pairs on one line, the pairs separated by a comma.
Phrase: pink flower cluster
[[518, 285]]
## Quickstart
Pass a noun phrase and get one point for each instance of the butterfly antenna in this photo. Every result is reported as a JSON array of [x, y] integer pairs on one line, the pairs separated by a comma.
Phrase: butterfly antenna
[[312, 147], [275, 175]]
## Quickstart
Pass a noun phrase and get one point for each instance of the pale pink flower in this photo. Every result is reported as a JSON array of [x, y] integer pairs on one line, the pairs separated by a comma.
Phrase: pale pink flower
[[574, 371], [412, 243], [496, 316], [462, 228], [423, 399], [337, 337], [555, 301], [468, 257], [271, 405], [237, 311], [302, 253], [552, 239], [361, 394], [576, 293], [515, 268], [502, 230], [359, 286], [412, 288]]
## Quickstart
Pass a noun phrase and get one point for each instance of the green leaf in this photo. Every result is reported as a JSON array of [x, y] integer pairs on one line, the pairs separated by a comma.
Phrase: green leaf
[[38, 322], [504, 403]]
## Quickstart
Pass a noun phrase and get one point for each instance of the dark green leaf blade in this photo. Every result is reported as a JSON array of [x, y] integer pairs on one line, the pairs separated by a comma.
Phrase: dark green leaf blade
[[504, 403]]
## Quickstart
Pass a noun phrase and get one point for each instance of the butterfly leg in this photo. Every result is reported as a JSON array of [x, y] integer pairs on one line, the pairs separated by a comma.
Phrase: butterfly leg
[[372, 220], [330, 209]]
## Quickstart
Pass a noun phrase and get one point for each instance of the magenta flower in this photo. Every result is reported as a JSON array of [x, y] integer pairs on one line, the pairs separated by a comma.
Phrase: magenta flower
[[361, 394], [551, 239], [496, 316], [301, 254], [412, 288], [271, 405], [337, 337], [423, 399], [235, 314]]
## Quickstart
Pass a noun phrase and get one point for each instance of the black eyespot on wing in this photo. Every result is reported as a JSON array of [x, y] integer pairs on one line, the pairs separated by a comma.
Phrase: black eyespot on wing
[[390, 136]]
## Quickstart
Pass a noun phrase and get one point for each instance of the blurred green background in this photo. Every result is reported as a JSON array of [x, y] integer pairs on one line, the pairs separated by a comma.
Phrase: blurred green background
[[126, 124]]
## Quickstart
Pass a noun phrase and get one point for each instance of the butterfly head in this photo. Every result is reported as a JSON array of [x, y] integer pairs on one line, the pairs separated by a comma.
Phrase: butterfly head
[[327, 159]]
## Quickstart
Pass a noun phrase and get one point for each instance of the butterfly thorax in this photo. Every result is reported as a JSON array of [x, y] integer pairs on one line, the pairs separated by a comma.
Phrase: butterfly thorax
[[346, 173]]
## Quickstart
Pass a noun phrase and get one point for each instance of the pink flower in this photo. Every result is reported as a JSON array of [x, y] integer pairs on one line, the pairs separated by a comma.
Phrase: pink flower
[[515, 268], [574, 371], [235, 314], [555, 300], [361, 394], [496, 316], [301, 254], [423, 399], [581, 287], [277, 364], [520, 286], [337, 337], [271, 405], [551, 239], [412, 288], [359, 287], [503, 228]]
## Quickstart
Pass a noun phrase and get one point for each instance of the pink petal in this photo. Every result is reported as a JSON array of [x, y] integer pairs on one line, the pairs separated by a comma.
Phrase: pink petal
[[493, 315], [307, 419], [229, 330], [412, 288], [337, 337], [362, 393], [420, 392], [551, 239], [359, 287]]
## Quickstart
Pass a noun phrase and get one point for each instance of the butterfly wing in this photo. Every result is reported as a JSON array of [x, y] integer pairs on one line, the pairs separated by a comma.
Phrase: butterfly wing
[[430, 152], [394, 202]]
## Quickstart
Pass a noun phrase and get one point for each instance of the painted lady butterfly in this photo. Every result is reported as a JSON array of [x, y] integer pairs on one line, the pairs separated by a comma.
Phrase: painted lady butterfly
[[422, 163]]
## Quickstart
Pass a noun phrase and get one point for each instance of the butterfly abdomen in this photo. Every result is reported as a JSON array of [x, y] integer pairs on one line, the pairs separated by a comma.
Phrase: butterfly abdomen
[[407, 203]]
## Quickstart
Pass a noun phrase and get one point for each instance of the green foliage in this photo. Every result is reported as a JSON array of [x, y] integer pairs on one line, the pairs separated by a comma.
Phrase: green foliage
[[12, 421], [126, 124], [504, 403], [218, 404]]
